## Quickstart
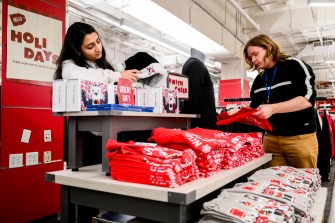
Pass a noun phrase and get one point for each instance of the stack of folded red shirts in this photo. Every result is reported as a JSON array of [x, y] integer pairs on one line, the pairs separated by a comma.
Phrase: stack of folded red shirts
[[149, 164], [238, 148], [245, 116], [215, 149]]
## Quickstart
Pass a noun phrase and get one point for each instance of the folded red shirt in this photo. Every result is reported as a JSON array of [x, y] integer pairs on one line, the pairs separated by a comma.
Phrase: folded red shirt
[[245, 116]]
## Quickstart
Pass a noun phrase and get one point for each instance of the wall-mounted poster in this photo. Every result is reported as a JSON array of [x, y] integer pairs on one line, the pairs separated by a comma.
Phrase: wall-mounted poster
[[33, 44]]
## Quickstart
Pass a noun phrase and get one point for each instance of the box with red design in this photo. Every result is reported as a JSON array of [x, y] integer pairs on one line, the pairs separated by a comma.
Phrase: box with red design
[[164, 100], [81, 93]]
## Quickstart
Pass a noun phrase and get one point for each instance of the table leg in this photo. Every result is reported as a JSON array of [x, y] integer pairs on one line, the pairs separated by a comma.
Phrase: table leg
[[109, 131], [75, 145], [67, 208], [177, 213]]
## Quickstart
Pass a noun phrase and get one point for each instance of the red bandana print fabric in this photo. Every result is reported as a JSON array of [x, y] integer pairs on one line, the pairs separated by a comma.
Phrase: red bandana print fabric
[[180, 156], [154, 165], [245, 116], [215, 149]]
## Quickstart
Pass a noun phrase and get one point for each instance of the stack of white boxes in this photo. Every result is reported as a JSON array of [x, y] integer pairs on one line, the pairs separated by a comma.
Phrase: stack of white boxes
[[74, 95]]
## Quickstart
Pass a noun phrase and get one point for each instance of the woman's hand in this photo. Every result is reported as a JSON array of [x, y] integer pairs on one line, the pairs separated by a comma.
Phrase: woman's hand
[[264, 111], [131, 75]]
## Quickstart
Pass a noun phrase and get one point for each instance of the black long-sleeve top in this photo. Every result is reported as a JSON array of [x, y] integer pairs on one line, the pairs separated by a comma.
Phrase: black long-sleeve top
[[292, 78], [201, 94]]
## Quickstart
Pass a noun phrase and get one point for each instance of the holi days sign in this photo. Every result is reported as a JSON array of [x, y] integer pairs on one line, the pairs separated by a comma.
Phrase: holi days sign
[[33, 45]]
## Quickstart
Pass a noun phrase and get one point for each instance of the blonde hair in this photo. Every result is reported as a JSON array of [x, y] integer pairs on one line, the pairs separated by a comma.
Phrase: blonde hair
[[273, 50]]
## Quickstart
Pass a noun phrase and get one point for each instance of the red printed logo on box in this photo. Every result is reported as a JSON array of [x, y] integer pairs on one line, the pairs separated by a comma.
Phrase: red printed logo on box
[[17, 19]]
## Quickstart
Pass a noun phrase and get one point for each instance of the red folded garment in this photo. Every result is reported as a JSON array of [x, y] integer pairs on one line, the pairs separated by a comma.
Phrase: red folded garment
[[245, 116]]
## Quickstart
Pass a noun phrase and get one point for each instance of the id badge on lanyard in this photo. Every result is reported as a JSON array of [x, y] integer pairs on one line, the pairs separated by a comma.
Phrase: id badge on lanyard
[[268, 88]]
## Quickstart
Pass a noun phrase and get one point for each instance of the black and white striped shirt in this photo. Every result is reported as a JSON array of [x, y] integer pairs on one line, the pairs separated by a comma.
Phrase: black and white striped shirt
[[293, 78]]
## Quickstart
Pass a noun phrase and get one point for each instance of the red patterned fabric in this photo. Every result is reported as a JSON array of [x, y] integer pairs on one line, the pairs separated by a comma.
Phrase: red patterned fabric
[[181, 155], [332, 130], [245, 116], [215, 149], [148, 164]]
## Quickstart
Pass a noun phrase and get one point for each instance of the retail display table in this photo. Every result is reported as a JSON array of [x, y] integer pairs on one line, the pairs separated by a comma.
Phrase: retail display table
[[319, 205], [109, 123], [90, 187]]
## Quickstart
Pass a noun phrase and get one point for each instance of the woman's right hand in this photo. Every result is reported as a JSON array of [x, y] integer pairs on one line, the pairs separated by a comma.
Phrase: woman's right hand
[[131, 75]]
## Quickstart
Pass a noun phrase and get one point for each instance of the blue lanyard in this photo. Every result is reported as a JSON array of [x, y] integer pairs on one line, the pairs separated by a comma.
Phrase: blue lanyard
[[268, 89]]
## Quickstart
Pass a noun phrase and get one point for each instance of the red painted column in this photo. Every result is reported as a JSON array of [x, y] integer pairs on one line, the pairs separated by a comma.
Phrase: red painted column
[[24, 194]]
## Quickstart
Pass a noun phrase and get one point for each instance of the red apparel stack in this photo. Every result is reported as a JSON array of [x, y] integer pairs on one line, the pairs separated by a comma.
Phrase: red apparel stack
[[245, 116], [215, 149], [154, 165]]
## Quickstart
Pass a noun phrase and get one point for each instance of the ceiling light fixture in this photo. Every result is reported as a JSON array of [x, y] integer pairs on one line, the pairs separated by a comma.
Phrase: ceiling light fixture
[[146, 34], [171, 25], [329, 60], [321, 3], [141, 32]]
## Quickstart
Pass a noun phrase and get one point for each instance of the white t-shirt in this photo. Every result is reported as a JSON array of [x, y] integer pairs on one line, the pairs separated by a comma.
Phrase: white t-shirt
[[94, 73]]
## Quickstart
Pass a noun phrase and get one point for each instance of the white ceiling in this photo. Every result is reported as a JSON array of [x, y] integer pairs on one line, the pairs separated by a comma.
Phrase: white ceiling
[[292, 23], [305, 32]]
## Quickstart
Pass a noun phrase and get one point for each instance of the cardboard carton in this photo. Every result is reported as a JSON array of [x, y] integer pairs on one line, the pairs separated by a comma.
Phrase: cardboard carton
[[59, 95], [163, 100], [81, 93]]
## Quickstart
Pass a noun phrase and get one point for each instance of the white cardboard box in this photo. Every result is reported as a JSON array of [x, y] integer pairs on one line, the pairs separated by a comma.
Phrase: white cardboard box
[[142, 96], [163, 100], [59, 95], [81, 93]]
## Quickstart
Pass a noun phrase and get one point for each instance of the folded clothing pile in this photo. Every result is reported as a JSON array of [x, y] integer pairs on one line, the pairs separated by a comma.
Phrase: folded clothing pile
[[154, 75], [308, 179], [293, 187], [298, 198], [215, 149], [151, 164], [245, 116], [243, 207]]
